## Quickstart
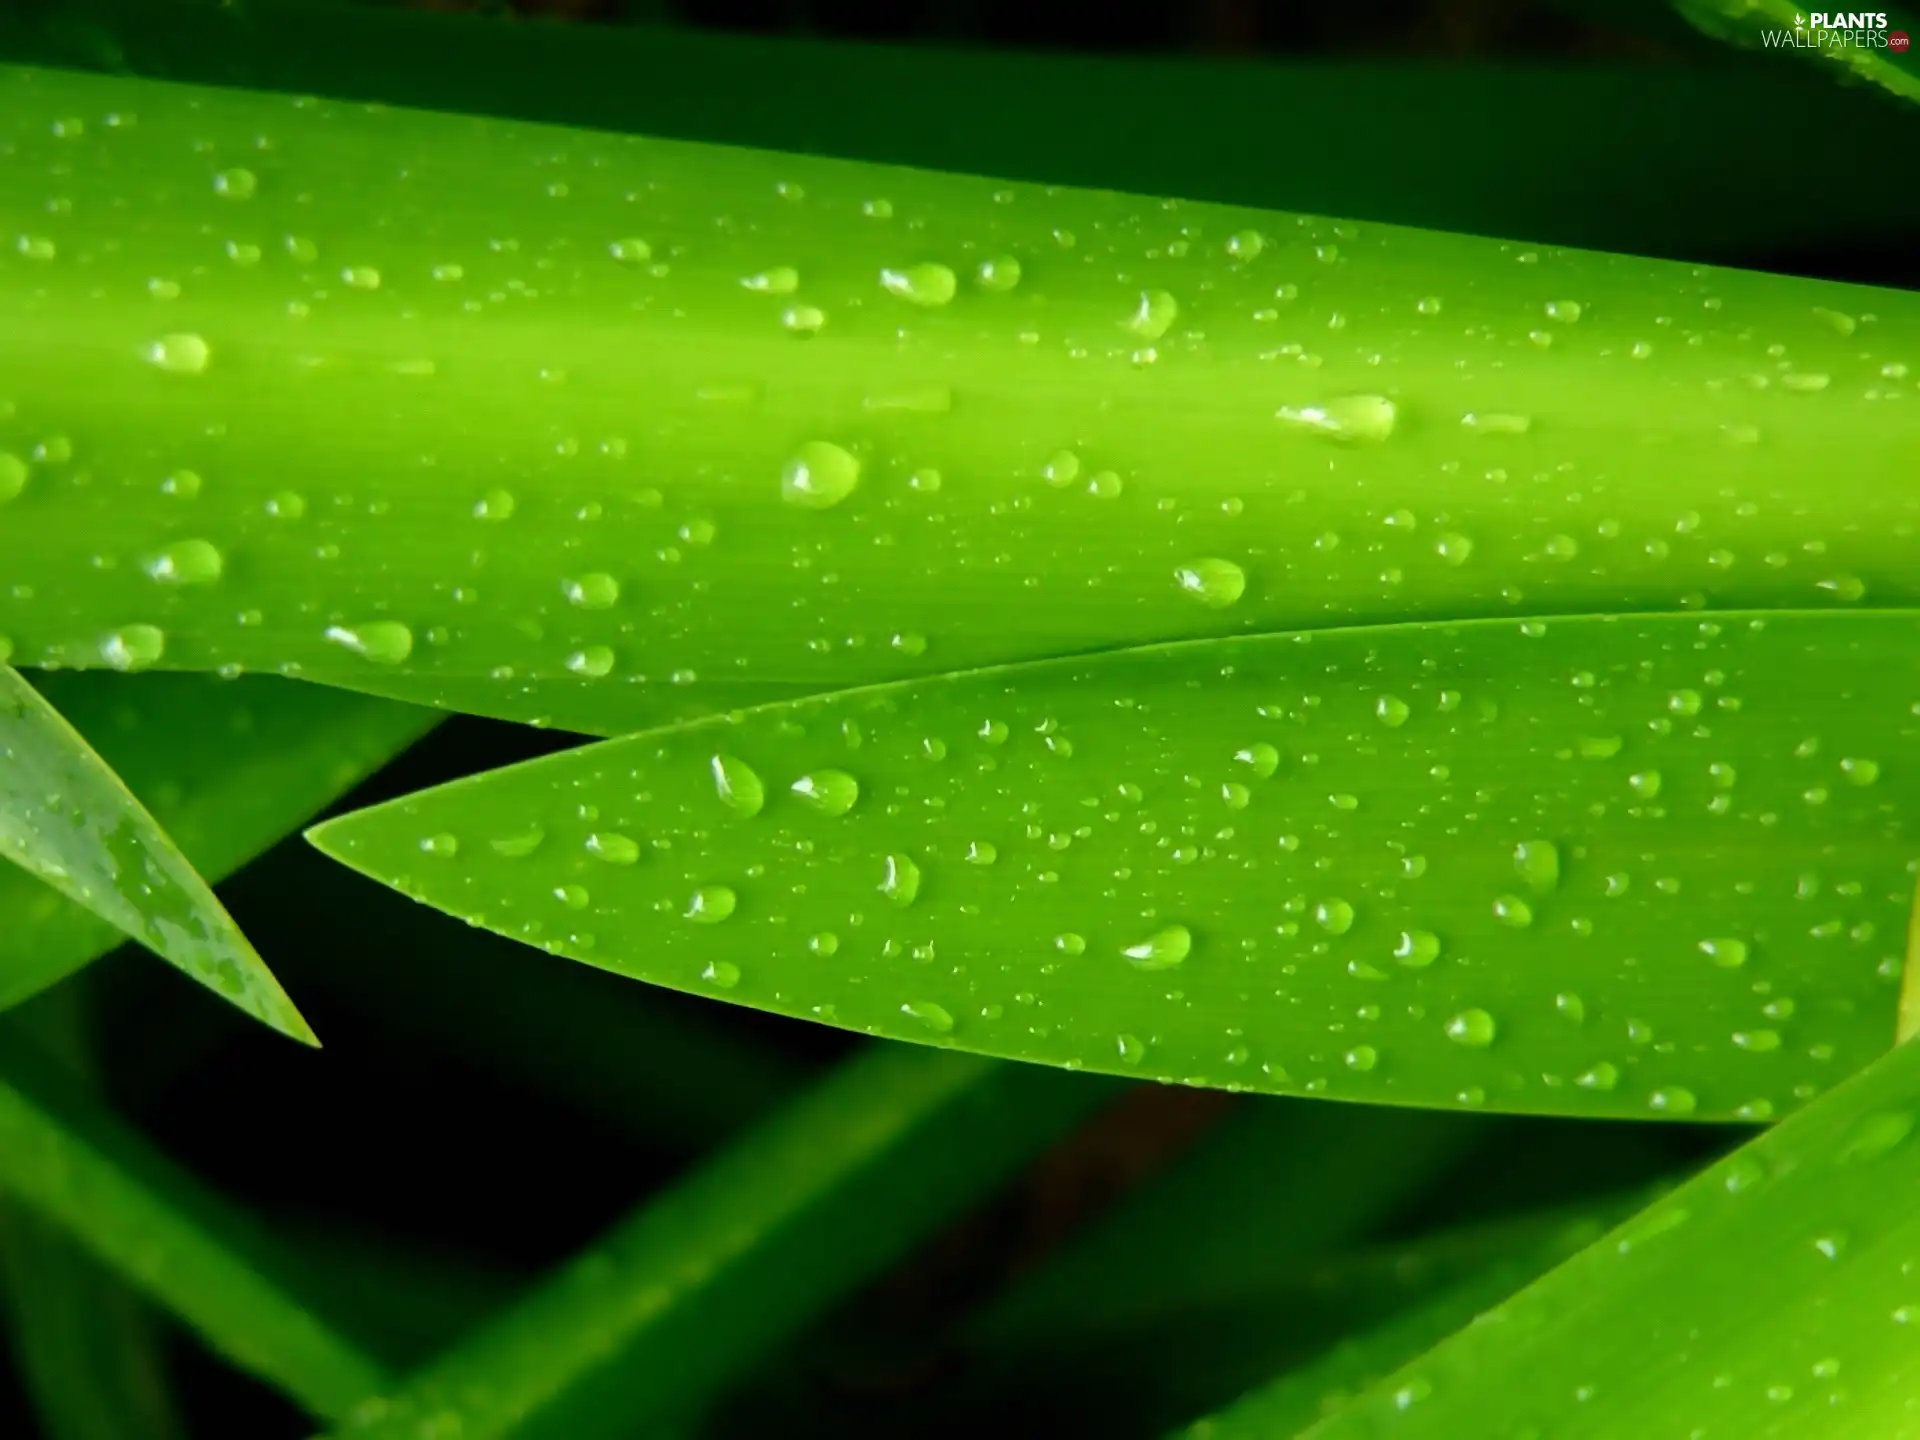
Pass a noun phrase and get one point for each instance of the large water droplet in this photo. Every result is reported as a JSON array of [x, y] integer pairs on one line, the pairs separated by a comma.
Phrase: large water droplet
[[997, 273], [236, 184], [1260, 757], [900, 879], [1538, 863], [630, 251], [710, 904], [133, 647], [1417, 949], [738, 785], [181, 354], [820, 475], [186, 562], [1473, 1028], [934, 1017], [1161, 950], [1876, 1134], [1155, 313], [830, 792], [386, 642], [595, 590], [612, 847], [1347, 417], [13, 476], [721, 974], [1335, 916], [931, 285], [1512, 910], [1727, 953], [494, 505], [1215, 583]]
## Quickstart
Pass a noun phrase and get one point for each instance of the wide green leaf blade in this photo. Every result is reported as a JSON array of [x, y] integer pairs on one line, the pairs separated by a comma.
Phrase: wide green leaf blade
[[649, 1321], [571, 424], [78, 1167], [1771, 1296], [228, 767], [1650, 866], [66, 818]]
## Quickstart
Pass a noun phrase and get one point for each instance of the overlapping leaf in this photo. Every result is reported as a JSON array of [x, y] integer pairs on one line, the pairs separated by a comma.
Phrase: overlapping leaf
[[1652, 866]]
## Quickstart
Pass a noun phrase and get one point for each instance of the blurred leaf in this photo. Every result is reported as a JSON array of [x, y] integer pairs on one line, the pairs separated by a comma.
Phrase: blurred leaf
[[77, 1167], [1780, 27], [1653, 866], [66, 818], [228, 767], [650, 1321], [1772, 1295]]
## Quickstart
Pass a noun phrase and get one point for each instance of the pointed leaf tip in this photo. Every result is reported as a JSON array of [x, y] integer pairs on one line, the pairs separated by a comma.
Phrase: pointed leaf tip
[[67, 818]]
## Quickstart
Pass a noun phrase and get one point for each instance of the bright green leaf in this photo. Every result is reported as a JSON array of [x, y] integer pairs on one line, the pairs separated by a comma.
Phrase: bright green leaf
[[68, 819], [228, 767], [1653, 866], [650, 1320], [77, 1167], [510, 414], [1773, 1295], [1783, 29]]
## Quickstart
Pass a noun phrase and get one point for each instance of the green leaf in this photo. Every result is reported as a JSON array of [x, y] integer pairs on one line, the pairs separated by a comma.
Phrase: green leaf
[[1650, 866], [1443, 1281], [1779, 27], [652, 1319], [77, 1167], [1772, 1295], [67, 818], [1179, 420], [228, 767]]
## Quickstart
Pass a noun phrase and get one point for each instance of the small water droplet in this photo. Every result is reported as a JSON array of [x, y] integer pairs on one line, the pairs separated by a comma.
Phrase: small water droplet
[[1132, 1049], [594, 662], [997, 273], [1069, 943], [780, 280], [187, 562], [1876, 1134], [1565, 311], [1604, 1076], [931, 285], [520, 844], [1453, 547], [612, 847], [1673, 1100], [1727, 953], [1392, 710], [574, 897], [738, 785], [1860, 772], [1368, 418], [1362, 1058], [1215, 583], [1538, 863], [710, 904], [828, 792], [819, 476], [900, 879], [13, 476], [631, 251], [1244, 245], [934, 1017], [1804, 382], [494, 505], [286, 505], [180, 354], [1417, 949], [385, 642], [1260, 757], [361, 277], [442, 846], [1489, 422], [595, 590], [1335, 916], [982, 852], [1473, 1028], [1161, 950], [1645, 784], [1153, 315], [236, 184], [1512, 910], [721, 974]]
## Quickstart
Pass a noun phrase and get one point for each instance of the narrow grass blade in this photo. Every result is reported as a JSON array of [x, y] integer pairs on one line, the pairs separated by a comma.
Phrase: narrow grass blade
[[1435, 145], [72, 1163], [563, 420], [1450, 1280], [1653, 866], [228, 767], [86, 1348], [673, 1302], [1773, 1295], [1274, 1182], [1779, 27], [68, 819]]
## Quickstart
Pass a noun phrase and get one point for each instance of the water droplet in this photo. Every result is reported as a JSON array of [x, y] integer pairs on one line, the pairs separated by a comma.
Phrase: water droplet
[[1603, 1076], [1803, 382], [1069, 943], [825, 943], [1860, 772], [386, 642], [612, 847], [1213, 582], [1244, 245], [780, 280], [181, 354], [931, 285], [1848, 588], [1334, 916], [36, 247], [710, 904], [737, 785], [899, 879], [830, 792], [594, 662], [1417, 949], [520, 844], [1161, 950], [1454, 548], [574, 897], [1758, 1042], [236, 184], [1645, 784], [186, 562], [286, 505], [1565, 311], [442, 846], [1571, 1006], [721, 974], [1362, 1058], [13, 476], [1727, 953], [1599, 747], [1107, 485], [1153, 316], [998, 273], [631, 251], [1538, 862], [1347, 417], [494, 505], [1392, 710], [595, 590], [1673, 1100], [1132, 1049], [1512, 910], [982, 852], [1485, 422], [361, 277], [934, 1017], [1261, 757], [1473, 1028], [819, 476]]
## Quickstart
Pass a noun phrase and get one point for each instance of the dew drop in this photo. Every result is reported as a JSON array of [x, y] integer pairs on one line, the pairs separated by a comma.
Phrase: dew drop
[[819, 476], [574, 897], [1645, 784], [1860, 772], [1334, 916], [13, 476], [1062, 470], [1068, 943], [1362, 1058], [934, 1017], [1154, 315], [286, 505], [630, 251], [997, 273], [1487, 422], [1538, 863], [186, 562], [180, 354], [1244, 245], [612, 847], [361, 277], [1565, 311], [594, 662], [900, 879], [1472, 1028], [1454, 548], [1728, 954], [235, 184], [442, 846], [780, 280], [710, 904], [721, 974], [1392, 710], [1417, 949], [1369, 418], [738, 785], [520, 844], [1215, 583], [385, 642], [1512, 910], [595, 590], [1132, 1049], [1673, 1100], [494, 505], [1604, 1076], [1876, 1134], [1260, 757], [827, 792], [1161, 950], [931, 285]]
